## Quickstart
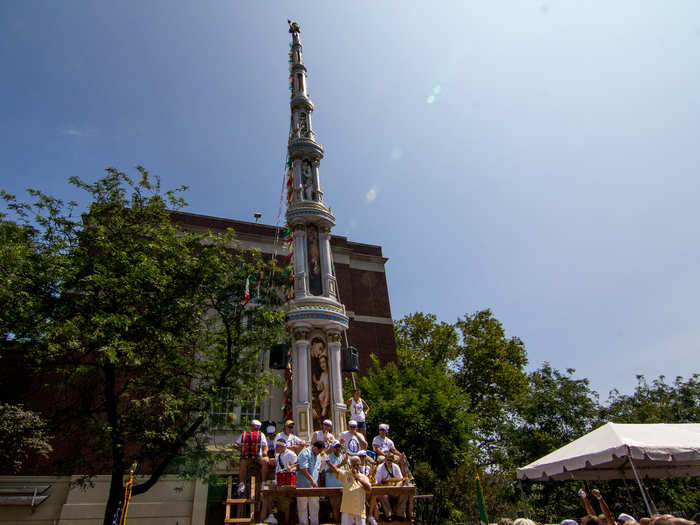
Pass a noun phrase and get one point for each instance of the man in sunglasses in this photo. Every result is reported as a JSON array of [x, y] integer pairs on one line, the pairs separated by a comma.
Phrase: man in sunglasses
[[293, 442]]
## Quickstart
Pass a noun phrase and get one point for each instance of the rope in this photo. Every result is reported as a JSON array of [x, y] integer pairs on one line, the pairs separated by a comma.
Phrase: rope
[[278, 220]]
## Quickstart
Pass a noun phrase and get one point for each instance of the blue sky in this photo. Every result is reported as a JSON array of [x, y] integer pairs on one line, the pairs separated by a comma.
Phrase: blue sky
[[536, 158]]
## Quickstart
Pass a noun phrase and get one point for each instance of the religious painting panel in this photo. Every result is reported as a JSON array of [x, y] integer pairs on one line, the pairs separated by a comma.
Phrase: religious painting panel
[[320, 382], [314, 260]]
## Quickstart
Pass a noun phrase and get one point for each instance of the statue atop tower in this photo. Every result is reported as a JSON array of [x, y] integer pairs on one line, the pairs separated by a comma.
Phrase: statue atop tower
[[316, 318]]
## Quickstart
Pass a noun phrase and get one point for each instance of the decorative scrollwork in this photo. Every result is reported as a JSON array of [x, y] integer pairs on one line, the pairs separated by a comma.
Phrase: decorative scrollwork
[[301, 335]]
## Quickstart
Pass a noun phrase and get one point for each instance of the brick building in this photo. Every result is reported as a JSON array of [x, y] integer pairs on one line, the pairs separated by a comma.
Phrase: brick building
[[362, 286], [360, 271]]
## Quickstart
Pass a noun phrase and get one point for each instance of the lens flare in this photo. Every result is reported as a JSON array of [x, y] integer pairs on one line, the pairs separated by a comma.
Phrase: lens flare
[[371, 195]]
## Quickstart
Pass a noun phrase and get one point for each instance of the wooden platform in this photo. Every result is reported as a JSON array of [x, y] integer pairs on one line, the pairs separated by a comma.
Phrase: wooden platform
[[269, 493]]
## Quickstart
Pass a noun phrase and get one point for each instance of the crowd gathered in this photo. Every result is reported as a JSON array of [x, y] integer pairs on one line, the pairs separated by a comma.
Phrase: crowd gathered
[[345, 461], [349, 461], [606, 516]]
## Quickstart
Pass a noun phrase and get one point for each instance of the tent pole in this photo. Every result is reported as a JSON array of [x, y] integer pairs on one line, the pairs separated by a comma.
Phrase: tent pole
[[627, 491], [639, 482], [522, 497]]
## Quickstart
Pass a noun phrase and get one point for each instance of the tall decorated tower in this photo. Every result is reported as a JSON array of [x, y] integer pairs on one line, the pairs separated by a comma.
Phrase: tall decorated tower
[[316, 318]]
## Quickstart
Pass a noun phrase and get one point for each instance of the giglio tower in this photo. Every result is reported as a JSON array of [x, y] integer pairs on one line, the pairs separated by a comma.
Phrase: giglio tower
[[316, 318]]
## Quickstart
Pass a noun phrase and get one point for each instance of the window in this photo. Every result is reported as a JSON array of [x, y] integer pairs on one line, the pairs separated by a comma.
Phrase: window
[[223, 410], [228, 411], [249, 411]]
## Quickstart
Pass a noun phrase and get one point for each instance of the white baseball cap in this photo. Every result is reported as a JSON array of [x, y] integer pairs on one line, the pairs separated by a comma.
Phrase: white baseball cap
[[255, 423], [328, 422], [384, 426], [352, 423]]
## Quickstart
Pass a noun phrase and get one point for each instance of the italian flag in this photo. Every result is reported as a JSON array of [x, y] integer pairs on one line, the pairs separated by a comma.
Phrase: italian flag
[[247, 291]]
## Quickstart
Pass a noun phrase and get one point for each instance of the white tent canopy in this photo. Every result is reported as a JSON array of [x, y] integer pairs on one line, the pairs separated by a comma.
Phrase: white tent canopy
[[615, 451]]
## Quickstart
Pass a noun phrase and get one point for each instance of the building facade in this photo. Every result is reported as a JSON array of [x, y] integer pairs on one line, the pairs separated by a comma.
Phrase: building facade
[[360, 273]]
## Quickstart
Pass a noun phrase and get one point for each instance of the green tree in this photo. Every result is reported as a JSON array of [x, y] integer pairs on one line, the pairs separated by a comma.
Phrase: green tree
[[139, 322], [427, 418], [489, 369], [426, 410], [556, 409], [22, 434], [422, 339], [657, 402]]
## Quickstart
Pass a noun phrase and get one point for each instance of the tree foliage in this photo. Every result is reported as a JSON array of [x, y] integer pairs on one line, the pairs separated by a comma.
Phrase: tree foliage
[[489, 369], [657, 402], [422, 340], [460, 402], [139, 322], [490, 366], [22, 434], [555, 409], [425, 412]]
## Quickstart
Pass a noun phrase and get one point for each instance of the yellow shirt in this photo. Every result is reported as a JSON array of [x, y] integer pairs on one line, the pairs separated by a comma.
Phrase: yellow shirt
[[353, 494]]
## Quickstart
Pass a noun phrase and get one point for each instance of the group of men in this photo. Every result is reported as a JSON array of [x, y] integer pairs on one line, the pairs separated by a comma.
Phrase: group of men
[[345, 462]]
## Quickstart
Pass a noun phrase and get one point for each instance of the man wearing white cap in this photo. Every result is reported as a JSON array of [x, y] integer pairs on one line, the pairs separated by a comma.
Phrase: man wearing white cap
[[286, 458], [352, 440], [381, 444], [389, 473], [253, 446], [270, 434], [335, 458], [324, 435], [285, 461], [292, 441], [356, 486], [364, 467]]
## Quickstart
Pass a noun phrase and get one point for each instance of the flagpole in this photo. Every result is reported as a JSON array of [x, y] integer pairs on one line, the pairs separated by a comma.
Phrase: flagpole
[[481, 504]]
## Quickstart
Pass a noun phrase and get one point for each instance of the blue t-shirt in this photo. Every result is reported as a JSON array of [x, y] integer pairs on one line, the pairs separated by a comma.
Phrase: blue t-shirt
[[311, 462], [331, 480]]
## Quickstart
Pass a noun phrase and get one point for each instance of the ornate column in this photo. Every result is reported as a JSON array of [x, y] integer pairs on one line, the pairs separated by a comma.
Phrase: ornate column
[[337, 400], [296, 179], [301, 384], [326, 263], [301, 287], [317, 183]]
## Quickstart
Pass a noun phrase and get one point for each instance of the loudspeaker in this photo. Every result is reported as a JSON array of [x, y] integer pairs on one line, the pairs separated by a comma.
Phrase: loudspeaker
[[351, 359], [278, 357]]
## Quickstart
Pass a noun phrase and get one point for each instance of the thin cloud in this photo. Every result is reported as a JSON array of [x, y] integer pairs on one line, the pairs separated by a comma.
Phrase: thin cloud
[[74, 131]]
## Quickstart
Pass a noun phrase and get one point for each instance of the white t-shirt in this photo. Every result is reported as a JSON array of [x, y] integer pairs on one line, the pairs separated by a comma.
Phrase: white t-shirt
[[285, 460], [327, 440], [385, 445], [357, 410], [383, 473], [352, 443], [291, 439]]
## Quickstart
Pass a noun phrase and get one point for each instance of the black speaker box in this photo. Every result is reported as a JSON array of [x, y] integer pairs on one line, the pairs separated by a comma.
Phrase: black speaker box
[[351, 359], [278, 357]]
